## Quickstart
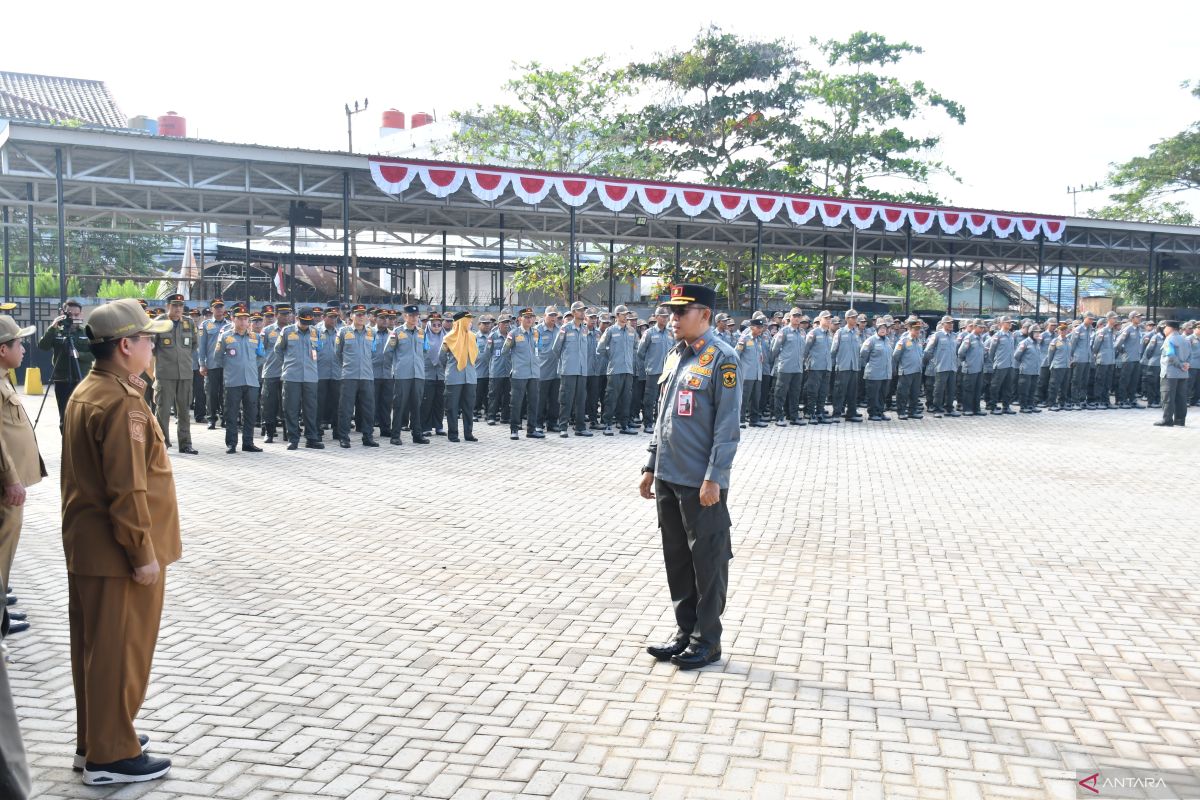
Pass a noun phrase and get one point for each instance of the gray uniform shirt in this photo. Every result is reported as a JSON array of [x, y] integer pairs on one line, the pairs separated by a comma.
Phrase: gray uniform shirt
[[354, 351], [1080, 344], [970, 350], [483, 367], [273, 368], [381, 358], [571, 350], [1129, 344], [617, 345], [941, 351], [298, 351], [750, 356], [845, 349], [432, 347], [328, 368], [653, 349], [876, 353], [1028, 357], [787, 348], [238, 356], [522, 351], [1000, 349], [697, 434], [407, 350], [209, 330], [818, 350], [1150, 348], [1060, 353], [547, 358], [908, 355], [1176, 351], [501, 360], [1104, 347], [450, 367]]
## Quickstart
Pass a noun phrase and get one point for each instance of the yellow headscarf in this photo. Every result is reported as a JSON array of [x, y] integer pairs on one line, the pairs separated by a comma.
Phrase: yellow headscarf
[[461, 343]]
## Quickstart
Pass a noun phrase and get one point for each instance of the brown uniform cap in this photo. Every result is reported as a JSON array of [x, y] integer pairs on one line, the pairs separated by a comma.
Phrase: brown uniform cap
[[122, 318]]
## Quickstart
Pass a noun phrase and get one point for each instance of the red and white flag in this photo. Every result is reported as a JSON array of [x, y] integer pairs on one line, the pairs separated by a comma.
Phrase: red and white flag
[[279, 281]]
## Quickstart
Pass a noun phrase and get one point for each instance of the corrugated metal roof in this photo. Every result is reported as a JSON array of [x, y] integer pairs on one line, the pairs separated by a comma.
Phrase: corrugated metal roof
[[47, 98]]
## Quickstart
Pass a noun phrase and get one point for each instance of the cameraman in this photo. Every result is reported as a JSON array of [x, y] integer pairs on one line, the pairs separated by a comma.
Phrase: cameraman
[[64, 330]]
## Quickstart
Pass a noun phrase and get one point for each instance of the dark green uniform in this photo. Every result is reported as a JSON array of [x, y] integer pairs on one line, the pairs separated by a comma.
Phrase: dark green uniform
[[173, 379]]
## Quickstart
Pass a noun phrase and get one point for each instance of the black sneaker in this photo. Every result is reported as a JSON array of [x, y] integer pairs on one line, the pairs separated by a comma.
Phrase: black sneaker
[[128, 770], [81, 758]]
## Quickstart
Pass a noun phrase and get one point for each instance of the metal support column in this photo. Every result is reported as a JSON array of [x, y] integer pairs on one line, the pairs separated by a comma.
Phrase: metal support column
[[908, 270], [950, 285], [612, 276], [1150, 280], [853, 261], [62, 225], [571, 263], [503, 297], [757, 269], [292, 266], [1058, 301], [1037, 302], [32, 256], [824, 277], [344, 271], [981, 276], [678, 236], [246, 266], [1075, 304], [445, 257], [875, 280], [4, 252]]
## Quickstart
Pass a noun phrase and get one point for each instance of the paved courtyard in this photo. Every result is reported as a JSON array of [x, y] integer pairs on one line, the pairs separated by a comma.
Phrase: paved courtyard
[[949, 608]]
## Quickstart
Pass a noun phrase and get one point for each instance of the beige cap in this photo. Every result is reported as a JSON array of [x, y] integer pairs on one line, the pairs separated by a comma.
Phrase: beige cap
[[578, 306], [9, 329], [551, 310], [621, 310], [122, 318]]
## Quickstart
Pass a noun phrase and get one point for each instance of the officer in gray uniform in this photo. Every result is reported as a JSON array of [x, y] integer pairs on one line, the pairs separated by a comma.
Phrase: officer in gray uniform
[[173, 356], [971, 354], [548, 382], [500, 383], [406, 345], [461, 381], [1028, 360], [750, 349], [1104, 355], [999, 350], [1129, 355], [198, 399], [483, 367], [909, 358], [845, 349], [236, 353], [787, 350], [1058, 395], [1048, 333], [521, 345], [941, 351], [297, 347], [617, 346], [329, 381], [355, 345], [1192, 334], [876, 354], [652, 349], [691, 456], [213, 378], [818, 353], [1151, 346], [1174, 366], [433, 401], [272, 383], [596, 369], [572, 353], [1080, 344], [381, 366]]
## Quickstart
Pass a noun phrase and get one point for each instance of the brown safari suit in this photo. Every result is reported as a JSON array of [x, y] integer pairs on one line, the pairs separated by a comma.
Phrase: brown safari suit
[[119, 512], [19, 463]]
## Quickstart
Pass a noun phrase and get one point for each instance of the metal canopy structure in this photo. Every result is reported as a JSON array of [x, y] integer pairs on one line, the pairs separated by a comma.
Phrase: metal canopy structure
[[126, 182]]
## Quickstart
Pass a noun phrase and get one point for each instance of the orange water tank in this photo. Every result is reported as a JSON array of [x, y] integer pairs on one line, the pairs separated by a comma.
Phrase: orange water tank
[[421, 118], [394, 119], [171, 124]]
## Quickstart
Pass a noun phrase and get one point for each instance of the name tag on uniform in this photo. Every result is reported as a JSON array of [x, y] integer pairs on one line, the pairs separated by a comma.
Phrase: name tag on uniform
[[314, 354], [683, 403], [187, 341], [293, 337]]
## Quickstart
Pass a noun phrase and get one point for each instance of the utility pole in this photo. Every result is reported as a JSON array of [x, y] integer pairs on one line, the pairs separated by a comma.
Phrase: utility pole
[[349, 126]]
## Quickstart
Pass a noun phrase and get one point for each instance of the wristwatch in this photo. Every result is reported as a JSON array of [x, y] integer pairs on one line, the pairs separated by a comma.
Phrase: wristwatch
[[647, 469]]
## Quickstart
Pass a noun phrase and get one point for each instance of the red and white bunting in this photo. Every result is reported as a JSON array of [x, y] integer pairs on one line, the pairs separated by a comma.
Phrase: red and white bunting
[[397, 176]]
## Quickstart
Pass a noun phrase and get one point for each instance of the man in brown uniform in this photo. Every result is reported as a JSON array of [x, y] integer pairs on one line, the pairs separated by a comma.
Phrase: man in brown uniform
[[120, 531], [173, 374], [20, 464]]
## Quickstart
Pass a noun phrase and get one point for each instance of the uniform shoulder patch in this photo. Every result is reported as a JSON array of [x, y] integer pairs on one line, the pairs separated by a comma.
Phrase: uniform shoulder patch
[[138, 420], [137, 381], [728, 375]]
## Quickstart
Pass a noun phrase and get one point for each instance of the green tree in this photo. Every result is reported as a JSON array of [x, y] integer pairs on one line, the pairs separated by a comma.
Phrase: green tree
[[547, 272], [1171, 167], [570, 120], [725, 107], [852, 134], [45, 284]]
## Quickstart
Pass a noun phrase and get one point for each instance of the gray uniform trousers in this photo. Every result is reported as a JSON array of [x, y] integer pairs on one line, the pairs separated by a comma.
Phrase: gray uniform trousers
[[300, 401], [1127, 391], [787, 395], [406, 406], [548, 403], [1043, 384], [650, 399], [272, 396], [1079, 383], [1150, 384], [328, 393], [1057, 394], [523, 389], [1102, 387], [572, 400], [696, 550], [1002, 387], [499, 397], [214, 387], [174, 395], [241, 402], [943, 390], [594, 384], [818, 388], [908, 392], [750, 401], [1174, 399], [972, 391], [433, 404], [875, 390], [14, 769], [383, 405], [460, 402], [617, 398], [199, 398], [357, 395], [1194, 383], [845, 392]]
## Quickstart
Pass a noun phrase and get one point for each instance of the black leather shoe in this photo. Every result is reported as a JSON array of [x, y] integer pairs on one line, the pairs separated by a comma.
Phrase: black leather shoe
[[535, 435], [665, 650], [344, 443], [1161, 424], [452, 437], [16, 616], [212, 426], [189, 450], [370, 443], [585, 433], [420, 440], [395, 440], [270, 439], [232, 449], [696, 656], [293, 445], [467, 437], [20, 626], [10, 599], [249, 448], [313, 444]]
